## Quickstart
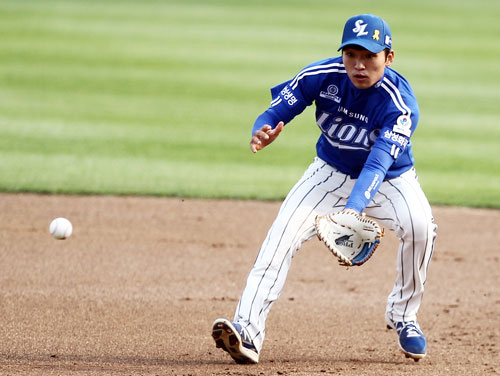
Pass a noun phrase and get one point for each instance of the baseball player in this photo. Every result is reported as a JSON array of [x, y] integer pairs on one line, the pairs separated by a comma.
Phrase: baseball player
[[367, 113]]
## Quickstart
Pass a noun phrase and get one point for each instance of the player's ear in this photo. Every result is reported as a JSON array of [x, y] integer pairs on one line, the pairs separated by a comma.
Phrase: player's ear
[[389, 58]]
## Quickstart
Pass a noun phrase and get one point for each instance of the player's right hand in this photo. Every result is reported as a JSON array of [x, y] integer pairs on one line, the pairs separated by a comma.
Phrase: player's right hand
[[264, 136]]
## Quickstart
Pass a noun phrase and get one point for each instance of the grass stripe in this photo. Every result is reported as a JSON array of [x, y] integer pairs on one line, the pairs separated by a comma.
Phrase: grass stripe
[[158, 97]]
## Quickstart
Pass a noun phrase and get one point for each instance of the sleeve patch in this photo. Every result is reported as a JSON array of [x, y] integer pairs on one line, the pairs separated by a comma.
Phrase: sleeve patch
[[397, 138], [288, 96], [403, 125]]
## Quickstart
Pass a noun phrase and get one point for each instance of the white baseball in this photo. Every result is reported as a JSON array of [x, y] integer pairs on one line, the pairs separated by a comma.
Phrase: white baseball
[[61, 228]]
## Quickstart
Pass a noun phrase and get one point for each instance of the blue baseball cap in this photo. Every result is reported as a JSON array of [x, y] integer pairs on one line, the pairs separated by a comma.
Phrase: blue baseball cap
[[368, 31]]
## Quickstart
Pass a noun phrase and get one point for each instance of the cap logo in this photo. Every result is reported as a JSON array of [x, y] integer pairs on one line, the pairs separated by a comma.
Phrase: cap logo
[[360, 28], [376, 34], [388, 40]]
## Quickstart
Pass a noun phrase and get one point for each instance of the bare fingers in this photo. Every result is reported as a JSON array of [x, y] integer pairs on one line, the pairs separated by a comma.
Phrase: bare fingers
[[260, 138], [264, 136]]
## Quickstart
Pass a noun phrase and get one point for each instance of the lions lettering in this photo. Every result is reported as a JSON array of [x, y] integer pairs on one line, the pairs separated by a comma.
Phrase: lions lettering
[[346, 133]]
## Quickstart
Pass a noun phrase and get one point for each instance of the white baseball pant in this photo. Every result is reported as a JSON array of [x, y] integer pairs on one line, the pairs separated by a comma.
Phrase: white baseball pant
[[400, 205]]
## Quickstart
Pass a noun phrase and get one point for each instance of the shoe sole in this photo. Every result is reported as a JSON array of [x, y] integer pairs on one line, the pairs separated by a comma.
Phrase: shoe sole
[[227, 338], [415, 357]]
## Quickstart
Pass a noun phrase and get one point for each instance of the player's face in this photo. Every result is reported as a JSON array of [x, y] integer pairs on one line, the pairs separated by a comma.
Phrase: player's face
[[365, 68]]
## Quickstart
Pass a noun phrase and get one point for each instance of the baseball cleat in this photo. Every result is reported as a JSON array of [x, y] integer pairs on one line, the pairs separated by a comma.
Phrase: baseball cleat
[[412, 341], [232, 338]]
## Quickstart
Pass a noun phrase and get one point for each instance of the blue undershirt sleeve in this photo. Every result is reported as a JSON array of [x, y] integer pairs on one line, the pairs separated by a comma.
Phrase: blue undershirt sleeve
[[267, 117], [370, 178]]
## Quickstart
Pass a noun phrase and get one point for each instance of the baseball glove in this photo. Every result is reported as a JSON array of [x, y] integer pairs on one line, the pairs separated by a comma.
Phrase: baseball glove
[[352, 237]]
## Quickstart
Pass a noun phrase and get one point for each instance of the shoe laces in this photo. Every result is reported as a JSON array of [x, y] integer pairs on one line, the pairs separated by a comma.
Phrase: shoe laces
[[411, 329], [245, 338]]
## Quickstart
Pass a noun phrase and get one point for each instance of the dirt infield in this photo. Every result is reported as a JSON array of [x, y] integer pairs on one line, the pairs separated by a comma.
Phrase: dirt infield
[[135, 290]]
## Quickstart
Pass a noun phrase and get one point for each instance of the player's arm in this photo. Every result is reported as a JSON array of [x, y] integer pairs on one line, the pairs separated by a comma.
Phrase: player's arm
[[369, 180], [393, 140], [386, 150], [287, 102]]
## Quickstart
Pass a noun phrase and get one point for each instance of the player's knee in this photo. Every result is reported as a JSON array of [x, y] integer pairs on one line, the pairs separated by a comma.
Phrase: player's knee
[[422, 229]]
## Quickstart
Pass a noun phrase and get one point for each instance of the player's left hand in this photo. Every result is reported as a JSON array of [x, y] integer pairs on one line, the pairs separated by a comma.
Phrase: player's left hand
[[350, 236], [264, 136]]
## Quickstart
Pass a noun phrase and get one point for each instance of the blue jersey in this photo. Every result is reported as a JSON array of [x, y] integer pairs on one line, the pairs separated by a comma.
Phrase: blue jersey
[[354, 122]]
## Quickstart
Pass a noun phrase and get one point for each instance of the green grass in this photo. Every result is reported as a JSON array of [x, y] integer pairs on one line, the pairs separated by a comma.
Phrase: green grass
[[158, 97]]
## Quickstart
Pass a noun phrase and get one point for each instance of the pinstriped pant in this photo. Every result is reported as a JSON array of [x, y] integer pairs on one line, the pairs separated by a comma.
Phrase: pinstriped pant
[[400, 205]]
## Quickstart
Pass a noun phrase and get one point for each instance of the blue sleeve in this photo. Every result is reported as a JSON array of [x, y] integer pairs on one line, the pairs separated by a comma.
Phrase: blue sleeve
[[289, 99], [370, 178], [268, 117], [284, 107]]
